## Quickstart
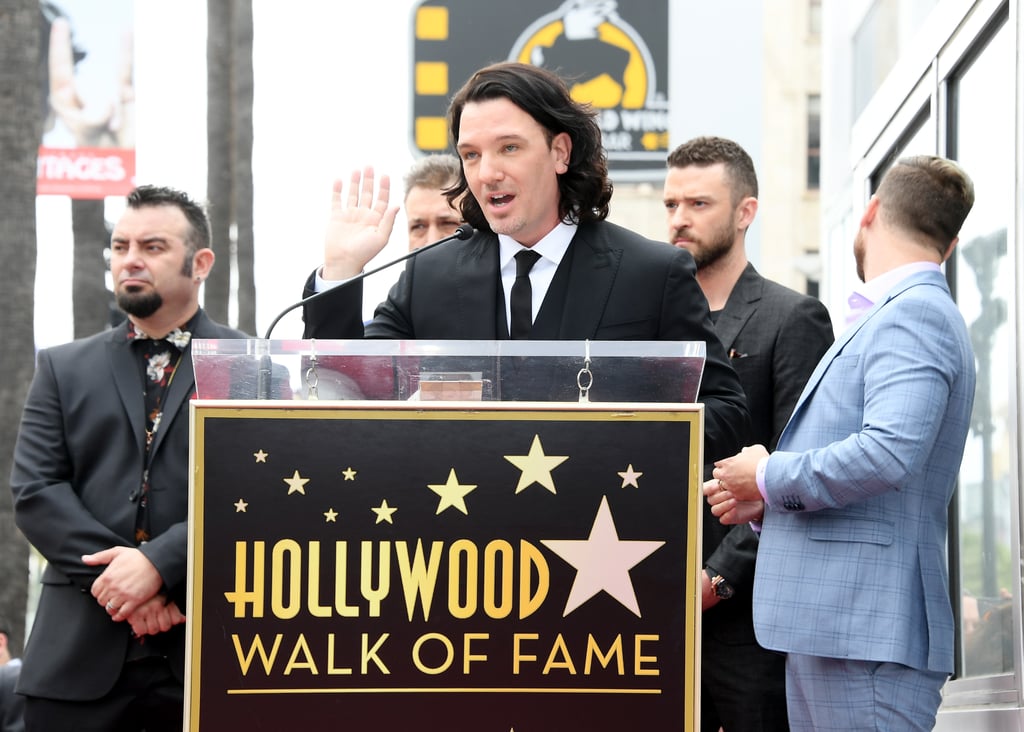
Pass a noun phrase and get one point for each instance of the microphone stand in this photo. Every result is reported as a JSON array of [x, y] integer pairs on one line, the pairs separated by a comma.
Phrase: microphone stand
[[264, 372]]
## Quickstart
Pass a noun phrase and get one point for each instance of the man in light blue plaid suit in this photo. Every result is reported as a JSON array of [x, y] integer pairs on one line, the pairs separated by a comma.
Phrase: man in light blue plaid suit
[[851, 578]]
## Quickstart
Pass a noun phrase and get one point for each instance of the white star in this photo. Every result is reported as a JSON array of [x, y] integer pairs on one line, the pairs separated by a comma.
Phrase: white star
[[630, 477], [330, 516], [536, 466], [349, 473], [452, 493], [261, 457], [384, 512], [602, 562], [296, 484], [241, 506]]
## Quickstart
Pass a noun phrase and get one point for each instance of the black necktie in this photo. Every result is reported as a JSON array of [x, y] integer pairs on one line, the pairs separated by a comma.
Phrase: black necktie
[[521, 299]]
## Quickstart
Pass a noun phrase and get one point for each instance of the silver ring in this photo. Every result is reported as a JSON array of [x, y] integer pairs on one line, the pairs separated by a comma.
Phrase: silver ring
[[110, 605]]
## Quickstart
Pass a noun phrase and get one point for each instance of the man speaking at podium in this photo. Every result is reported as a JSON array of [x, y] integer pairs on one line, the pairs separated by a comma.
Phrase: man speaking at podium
[[543, 263]]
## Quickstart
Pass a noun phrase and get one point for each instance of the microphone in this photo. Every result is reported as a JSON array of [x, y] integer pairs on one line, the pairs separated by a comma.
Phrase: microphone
[[264, 372], [462, 233]]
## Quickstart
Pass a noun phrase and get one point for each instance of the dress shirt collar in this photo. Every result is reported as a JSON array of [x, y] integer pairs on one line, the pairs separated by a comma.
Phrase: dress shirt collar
[[552, 247], [865, 295]]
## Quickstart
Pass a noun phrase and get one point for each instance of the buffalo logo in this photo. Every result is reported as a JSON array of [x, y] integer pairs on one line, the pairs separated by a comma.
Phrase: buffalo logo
[[606, 63], [604, 59]]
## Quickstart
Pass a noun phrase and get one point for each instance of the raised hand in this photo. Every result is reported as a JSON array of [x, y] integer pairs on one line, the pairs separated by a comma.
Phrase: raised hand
[[359, 226]]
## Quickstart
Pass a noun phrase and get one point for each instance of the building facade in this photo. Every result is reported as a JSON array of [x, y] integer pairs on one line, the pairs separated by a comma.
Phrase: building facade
[[946, 77]]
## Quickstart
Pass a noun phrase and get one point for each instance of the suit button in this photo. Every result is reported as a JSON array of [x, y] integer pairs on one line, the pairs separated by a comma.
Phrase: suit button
[[133, 496]]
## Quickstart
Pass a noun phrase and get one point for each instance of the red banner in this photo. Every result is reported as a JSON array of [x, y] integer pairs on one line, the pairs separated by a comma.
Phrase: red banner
[[85, 172]]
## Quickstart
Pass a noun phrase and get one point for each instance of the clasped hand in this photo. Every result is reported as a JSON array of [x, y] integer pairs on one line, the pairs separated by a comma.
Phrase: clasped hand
[[732, 493], [129, 590]]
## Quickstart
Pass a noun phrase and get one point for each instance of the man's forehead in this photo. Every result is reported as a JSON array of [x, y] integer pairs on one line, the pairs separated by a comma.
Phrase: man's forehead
[[422, 202], [497, 119], [697, 179], [167, 217]]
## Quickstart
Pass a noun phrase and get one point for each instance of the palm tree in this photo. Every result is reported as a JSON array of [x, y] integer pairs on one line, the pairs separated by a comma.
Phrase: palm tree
[[91, 301], [229, 158], [20, 131]]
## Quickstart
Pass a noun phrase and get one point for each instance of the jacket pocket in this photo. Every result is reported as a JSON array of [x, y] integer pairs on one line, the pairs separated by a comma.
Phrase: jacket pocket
[[845, 528]]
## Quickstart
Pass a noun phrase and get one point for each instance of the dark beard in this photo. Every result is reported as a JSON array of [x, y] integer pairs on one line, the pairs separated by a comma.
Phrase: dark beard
[[139, 304], [712, 250]]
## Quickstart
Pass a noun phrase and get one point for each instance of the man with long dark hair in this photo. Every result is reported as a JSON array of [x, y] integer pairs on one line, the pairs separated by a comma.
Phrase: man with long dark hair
[[536, 181]]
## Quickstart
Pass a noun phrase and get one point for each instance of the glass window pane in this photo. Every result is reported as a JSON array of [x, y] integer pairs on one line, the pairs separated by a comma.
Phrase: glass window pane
[[814, 17], [813, 142], [984, 112], [918, 139]]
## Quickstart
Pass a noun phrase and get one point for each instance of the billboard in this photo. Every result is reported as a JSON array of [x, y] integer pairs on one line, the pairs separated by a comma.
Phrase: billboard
[[613, 56], [86, 63]]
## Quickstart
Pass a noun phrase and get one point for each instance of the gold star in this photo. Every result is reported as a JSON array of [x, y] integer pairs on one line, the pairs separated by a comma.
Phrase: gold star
[[296, 484], [241, 506], [630, 477], [384, 512], [349, 473], [261, 457], [331, 515], [536, 466], [452, 493]]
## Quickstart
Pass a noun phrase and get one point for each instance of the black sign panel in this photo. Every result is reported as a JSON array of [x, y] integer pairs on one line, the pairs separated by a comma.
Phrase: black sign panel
[[614, 56], [393, 567]]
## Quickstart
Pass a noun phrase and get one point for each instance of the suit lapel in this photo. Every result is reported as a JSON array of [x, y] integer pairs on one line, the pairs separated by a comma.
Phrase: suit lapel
[[742, 303], [826, 361], [593, 268], [181, 387], [548, 323], [183, 382], [124, 365], [847, 335], [481, 310]]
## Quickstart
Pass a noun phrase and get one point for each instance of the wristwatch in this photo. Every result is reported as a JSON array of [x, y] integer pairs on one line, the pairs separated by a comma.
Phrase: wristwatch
[[722, 589]]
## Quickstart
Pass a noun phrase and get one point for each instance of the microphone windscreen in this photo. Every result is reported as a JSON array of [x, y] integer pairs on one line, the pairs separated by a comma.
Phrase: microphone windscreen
[[464, 232]]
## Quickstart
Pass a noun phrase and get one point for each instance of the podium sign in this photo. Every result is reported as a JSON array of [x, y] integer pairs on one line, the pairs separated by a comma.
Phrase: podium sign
[[453, 566]]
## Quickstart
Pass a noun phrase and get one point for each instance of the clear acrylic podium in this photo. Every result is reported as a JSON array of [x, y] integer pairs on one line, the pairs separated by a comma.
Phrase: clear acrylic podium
[[607, 371], [457, 535]]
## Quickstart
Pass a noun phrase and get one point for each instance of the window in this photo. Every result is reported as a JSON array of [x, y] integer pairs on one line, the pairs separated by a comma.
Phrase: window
[[982, 117], [813, 142]]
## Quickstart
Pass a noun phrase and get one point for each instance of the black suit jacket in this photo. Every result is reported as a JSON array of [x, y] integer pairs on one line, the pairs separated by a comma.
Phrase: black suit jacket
[[12, 706], [612, 284], [78, 465], [774, 337]]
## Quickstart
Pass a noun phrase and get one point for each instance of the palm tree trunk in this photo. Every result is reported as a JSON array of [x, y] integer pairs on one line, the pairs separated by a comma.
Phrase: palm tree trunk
[[20, 132], [90, 299], [229, 171]]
